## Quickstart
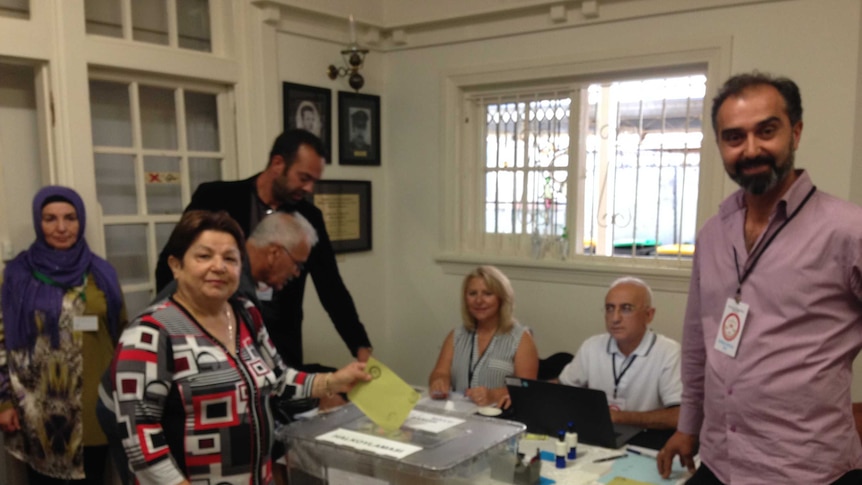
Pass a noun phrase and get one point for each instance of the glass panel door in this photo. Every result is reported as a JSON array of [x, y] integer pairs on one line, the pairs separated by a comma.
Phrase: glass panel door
[[155, 141]]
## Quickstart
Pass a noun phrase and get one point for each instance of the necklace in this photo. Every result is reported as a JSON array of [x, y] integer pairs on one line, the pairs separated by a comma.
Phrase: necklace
[[230, 334]]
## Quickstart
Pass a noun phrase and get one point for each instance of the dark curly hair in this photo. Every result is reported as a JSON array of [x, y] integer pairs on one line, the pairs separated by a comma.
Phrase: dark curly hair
[[738, 83]]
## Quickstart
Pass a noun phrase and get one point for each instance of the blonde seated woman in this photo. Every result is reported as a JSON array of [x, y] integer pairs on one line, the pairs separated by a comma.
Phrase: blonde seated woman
[[477, 356]]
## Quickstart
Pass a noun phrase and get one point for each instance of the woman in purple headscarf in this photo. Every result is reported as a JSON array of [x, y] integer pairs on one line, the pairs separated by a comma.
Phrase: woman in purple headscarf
[[62, 315]]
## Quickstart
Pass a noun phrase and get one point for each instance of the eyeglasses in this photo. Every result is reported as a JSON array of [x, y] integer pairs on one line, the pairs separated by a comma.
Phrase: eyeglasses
[[626, 309], [300, 265]]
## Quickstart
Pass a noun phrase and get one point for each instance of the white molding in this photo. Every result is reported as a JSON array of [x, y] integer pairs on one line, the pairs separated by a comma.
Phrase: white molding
[[558, 13], [28, 38], [590, 9], [151, 58], [582, 270], [407, 24]]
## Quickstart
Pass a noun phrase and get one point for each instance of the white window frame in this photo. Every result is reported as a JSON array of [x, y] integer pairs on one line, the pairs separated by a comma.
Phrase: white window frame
[[228, 154], [462, 236], [216, 11]]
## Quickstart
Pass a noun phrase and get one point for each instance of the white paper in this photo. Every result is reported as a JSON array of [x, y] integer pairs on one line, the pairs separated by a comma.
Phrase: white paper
[[85, 323], [364, 442], [432, 423]]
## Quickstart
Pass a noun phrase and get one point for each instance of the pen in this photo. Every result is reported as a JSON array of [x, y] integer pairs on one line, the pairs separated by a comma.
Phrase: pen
[[609, 458], [642, 453]]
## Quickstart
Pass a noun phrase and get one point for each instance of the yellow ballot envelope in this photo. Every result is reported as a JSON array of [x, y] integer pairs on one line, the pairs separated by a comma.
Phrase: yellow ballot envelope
[[386, 399], [627, 481]]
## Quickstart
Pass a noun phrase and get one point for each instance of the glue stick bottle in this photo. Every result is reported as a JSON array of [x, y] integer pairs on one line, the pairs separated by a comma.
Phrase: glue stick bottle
[[560, 446], [572, 441]]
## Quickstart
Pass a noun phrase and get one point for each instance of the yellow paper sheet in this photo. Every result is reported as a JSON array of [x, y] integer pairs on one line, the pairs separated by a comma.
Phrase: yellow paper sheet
[[626, 481], [386, 399]]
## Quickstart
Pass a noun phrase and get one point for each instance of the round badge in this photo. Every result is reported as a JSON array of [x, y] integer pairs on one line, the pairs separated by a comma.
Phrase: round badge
[[730, 327]]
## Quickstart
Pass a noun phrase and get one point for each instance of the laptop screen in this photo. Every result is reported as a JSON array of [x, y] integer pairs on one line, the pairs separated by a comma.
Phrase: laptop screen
[[546, 408]]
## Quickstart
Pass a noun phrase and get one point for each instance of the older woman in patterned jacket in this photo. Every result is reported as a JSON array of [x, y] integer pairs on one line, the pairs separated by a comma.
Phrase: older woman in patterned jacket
[[190, 381]]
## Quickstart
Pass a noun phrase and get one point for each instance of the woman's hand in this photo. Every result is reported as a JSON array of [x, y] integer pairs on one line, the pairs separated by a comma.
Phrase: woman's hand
[[439, 388], [483, 396], [343, 379], [9, 421]]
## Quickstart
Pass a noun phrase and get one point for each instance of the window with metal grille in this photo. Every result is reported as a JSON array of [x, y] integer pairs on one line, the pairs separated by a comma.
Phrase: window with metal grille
[[633, 182]]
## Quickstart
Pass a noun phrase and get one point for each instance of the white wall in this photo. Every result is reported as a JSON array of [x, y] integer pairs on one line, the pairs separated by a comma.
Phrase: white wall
[[814, 42]]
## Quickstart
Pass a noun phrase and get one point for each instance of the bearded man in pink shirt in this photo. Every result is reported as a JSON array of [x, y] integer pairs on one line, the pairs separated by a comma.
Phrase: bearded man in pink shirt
[[774, 316]]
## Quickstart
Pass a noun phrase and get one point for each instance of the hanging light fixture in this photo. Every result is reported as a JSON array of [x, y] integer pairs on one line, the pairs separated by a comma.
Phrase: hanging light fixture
[[353, 58]]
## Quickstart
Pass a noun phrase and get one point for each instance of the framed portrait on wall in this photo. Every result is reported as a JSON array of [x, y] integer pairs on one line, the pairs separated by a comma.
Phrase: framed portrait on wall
[[346, 208], [309, 108], [358, 129]]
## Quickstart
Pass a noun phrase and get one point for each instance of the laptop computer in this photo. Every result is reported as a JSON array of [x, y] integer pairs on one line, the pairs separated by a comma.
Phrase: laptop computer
[[545, 408]]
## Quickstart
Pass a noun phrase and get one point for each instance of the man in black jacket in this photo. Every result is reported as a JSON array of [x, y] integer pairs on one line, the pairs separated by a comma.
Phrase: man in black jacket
[[295, 164]]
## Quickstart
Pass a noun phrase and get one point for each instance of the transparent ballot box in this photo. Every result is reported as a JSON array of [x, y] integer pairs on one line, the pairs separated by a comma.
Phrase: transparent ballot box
[[432, 447]]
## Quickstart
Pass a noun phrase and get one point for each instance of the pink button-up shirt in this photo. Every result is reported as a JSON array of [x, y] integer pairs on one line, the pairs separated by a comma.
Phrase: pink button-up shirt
[[780, 411]]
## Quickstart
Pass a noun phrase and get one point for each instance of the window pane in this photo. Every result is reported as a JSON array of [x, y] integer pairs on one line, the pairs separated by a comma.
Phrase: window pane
[[150, 21], [163, 233], [103, 17], [115, 183], [162, 179], [202, 122], [640, 168], [203, 170], [158, 118], [193, 19], [531, 137], [109, 108], [126, 246], [642, 173]]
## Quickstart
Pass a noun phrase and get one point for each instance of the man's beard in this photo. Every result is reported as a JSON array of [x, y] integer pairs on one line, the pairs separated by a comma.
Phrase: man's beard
[[761, 183], [280, 191]]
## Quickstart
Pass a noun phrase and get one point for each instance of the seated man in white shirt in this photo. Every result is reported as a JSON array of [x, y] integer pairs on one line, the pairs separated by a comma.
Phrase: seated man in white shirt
[[637, 368]]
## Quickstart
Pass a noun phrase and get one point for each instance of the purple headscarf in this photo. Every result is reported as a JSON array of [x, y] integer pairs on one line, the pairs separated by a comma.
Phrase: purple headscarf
[[24, 293]]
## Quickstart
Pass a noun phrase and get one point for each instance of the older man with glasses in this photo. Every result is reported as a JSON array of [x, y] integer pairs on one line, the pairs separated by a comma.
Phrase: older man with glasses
[[277, 251], [637, 368]]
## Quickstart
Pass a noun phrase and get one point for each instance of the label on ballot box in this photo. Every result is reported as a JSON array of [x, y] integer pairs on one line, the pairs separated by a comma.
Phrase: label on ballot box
[[366, 442], [432, 423]]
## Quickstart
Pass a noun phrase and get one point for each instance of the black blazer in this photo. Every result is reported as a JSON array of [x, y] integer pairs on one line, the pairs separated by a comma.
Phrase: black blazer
[[283, 315]]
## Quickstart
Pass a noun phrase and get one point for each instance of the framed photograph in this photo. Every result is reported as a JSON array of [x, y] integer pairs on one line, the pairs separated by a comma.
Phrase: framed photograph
[[346, 207], [309, 108], [358, 129]]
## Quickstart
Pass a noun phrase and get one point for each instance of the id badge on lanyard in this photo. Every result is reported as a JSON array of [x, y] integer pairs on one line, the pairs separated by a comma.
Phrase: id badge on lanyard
[[732, 324]]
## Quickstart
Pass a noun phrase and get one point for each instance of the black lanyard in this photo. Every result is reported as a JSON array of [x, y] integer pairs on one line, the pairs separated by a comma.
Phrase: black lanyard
[[618, 378], [470, 367], [744, 276]]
